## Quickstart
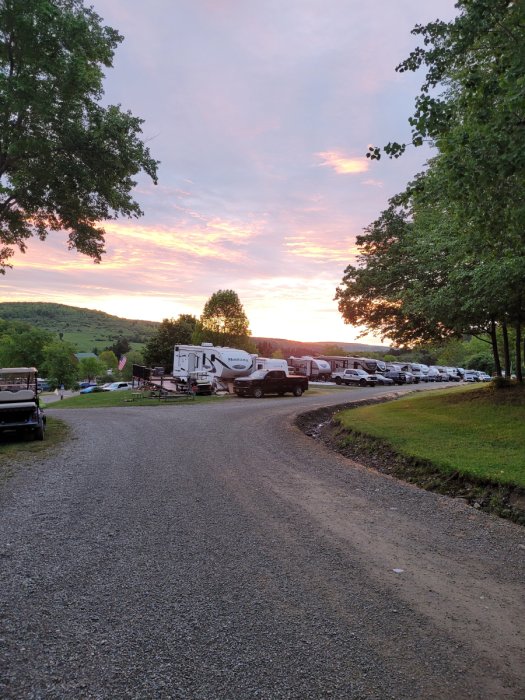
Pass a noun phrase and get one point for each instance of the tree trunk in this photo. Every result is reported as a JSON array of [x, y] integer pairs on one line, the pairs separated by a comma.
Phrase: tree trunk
[[506, 349], [495, 351], [519, 372]]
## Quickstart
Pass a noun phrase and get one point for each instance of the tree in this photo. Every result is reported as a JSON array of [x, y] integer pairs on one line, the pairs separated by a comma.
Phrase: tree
[[389, 290], [120, 347], [21, 345], [109, 359], [477, 124], [171, 332], [223, 322], [452, 354], [66, 162], [134, 358], [482, 361], [60, 363], [90, 368]]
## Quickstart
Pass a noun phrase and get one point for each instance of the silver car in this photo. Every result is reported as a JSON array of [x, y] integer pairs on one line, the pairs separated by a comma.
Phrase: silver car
[[118, 386]]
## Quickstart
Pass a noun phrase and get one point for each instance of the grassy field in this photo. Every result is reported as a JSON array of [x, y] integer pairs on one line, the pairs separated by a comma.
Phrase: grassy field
[[472, 431], [107, 399], [84, 328]]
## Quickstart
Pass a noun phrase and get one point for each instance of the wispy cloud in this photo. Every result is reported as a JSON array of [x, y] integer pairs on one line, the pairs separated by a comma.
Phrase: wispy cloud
[[342, 164], [320, 251]]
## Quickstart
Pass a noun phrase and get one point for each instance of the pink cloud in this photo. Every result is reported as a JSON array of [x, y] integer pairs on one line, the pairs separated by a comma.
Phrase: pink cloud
[[343, 165]]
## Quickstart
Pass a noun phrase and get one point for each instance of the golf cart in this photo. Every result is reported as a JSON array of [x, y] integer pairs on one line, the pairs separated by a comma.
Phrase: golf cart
[[19, 404]]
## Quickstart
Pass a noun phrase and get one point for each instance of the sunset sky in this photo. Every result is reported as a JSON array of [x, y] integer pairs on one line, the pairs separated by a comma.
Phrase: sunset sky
[[261, 112]]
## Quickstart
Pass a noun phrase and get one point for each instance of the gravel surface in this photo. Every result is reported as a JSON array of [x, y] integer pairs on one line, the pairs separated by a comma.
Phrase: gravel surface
[[214, 551]]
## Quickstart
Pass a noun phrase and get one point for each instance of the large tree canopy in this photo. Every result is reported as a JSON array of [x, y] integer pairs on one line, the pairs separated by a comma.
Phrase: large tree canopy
[[66, 162], [171, 332], [456, 262], [224, 322]]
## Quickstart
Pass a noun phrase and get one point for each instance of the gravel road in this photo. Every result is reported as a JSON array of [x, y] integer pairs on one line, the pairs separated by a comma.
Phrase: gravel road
[[213, 551]]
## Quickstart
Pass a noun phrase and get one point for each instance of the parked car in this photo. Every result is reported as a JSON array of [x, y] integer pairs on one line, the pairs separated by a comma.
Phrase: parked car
[[412, 377], [471, 375], [91, 389], [420, 369], [357, 377], [85, 385], [484, 377], [433, 375], [439, 373], [453, 374], [382, 380], [398, 377], [118, 386]]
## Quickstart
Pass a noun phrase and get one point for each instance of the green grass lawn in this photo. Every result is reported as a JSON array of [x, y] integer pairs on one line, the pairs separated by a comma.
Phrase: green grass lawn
[[476, 431], [102, 399]]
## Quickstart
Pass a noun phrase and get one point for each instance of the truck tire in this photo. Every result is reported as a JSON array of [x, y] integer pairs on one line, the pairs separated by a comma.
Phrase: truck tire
[[338, 380], [39, 433], [258, 392], [297, 391]]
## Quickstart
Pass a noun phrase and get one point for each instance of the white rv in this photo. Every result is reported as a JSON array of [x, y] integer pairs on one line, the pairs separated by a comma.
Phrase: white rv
[[312, 367], [270, 363], [341, 362], [210, 362]]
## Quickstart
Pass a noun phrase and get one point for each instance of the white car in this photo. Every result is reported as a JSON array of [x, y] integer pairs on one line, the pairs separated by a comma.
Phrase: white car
[[433, 375], [471, 375], [118, 386], [354, 376], [484, 377]]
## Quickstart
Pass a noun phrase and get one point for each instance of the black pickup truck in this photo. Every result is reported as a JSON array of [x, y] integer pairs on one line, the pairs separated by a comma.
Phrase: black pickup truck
[[269, 381]]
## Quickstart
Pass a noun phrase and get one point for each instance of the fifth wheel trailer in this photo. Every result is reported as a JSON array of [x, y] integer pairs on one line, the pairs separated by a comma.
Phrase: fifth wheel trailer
[[211, 362]]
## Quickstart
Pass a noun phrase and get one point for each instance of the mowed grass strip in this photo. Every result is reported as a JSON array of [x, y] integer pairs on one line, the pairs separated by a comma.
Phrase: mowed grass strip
[[479, 432], [107, 399]]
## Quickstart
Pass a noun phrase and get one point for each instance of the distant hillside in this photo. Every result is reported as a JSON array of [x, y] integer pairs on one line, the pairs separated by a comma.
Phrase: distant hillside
[[295, 347], [88, 329], [84, 328]]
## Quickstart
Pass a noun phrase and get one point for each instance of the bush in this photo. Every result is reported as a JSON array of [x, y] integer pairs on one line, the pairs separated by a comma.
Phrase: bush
[[481, 361]]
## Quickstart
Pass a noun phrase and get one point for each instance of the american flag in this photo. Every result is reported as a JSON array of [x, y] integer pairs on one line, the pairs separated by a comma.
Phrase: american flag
[[122, 363]]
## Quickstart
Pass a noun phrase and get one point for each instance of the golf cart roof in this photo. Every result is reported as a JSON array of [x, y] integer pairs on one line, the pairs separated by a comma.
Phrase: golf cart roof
[[19, 371]]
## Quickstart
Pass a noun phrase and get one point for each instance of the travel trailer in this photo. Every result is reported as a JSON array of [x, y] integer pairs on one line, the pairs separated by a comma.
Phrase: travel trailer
[[312, 367], [270, 363], [339, 362]]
